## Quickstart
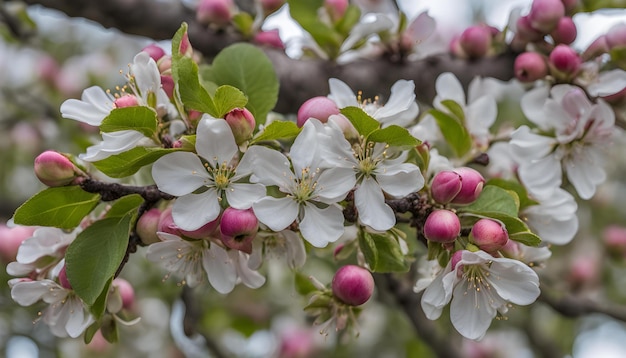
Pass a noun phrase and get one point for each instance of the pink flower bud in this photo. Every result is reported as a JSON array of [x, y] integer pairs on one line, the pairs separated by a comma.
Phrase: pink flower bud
[[54, 169], [296, 343], [63, 281], [11, 239], [185, 48], [165, 64], [445, 186], [584, 270], [489, 235], [216, 12], [565, 31], [530, 66], [127, 100], [545, 14], [239, 228], [148, 225], [596, 48], [242, 123], [616, 36], [353, 285], [167, 83], [126, 291], [270, 38], [615, 238], [471, 185], [317, 107], [475, 41], [154, 51], [336, 8], [511, 249], [269, 6], [525, 30], [442, 226], [167, 224], [565, 59], [454, 260]]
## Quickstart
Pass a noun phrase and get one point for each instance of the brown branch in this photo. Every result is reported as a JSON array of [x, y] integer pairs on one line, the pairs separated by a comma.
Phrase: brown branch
[[572, 306], [299, 79], [114, 191]]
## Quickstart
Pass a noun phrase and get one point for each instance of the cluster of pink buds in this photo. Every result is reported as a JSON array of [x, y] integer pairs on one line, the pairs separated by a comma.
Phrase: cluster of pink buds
[[217, 13]]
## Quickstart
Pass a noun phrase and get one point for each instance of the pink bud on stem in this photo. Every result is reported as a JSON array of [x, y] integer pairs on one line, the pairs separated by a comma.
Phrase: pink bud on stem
[[565, 31], [565, 60], [530, 66], [54, 169], [10, 240], [446, 186], [442, 226], [545, 14], [239, 228], [317, 107], [476, 41], [215, 12], [472, 183], [242, 123], [148, 225], [353, 285], [489, 235]]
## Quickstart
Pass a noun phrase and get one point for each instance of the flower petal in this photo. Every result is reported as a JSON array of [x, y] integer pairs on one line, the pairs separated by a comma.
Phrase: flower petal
[[341, 94], [250, 278], [370, 203], [95, 104], [192, 211], [401, 99], [449, 87], [334, 184], [215, 141], [220, 269], [321, 226], [243, 195], [270, 167], [276, 213], [471, 312], [179, 173], [514, 281], [400, 180]]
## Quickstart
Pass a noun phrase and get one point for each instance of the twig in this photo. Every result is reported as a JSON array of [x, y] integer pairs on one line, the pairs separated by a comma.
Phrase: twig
[[114, 191], [572, 306]]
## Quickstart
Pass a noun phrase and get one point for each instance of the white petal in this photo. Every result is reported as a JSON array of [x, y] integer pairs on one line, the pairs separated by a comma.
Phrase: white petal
[[526, 145], [370, 203], [192, 211], [220, 269], [276, 213], [270, 167], [242, 195], [341, 94], [215, 141], [514, 281], [421, 27], [78, 321], [93, 107], [401, 99], [333, 184], [584, 171], [541, 177], [179, 173], [481, 115], [248, 277], [296, 252], [608, 83], [438, 294], [26, 293], [115, 143], [378, 23], [146, 74], [303, 152], [321, 226], [532, 106], [449, 87], [400, 180], [471, 312]]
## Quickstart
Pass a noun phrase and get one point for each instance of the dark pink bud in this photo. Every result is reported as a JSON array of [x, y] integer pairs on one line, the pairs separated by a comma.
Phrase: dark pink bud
[[471, 185], [54, 169], [167, 83], [442, 226], [185, 48], [317, 107], [616, 36], [353, 285], [445, 186], [615, 238], [525, 30], [596, 48], [148, 225], [489, 235], [11, 239], [476, 41], [336, 8], [154, 51], [216, 12], [270, 38], [63, 281], [127, 100], [565, 31], [454, 260], [242, 123], [530, 66], [565, 59], [239, 228], [511, 249], [126, 292], [545, 14]]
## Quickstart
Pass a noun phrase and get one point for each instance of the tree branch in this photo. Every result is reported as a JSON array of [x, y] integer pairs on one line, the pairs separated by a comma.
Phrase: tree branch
[[299, 79], [572, 306]]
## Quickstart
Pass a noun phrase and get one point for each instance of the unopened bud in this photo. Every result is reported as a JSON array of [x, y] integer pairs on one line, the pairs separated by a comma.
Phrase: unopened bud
[[526, 32], [167, 83], [165, 65], [239, 228], [545, 14], [11, 239], [445, 186], [336, 8], [489, 235], [476, 41], [317, 107], [270, 38], [596, 48], [148, 225], [442, 226], [454, 260], [127, 100], [565, 31], [615, 239], [215, 12], [54, 169], [471, 185], [353, 285], [126, 292], [63, 281], [530, 66], [154, 51], [185, 48], [616, 36], [565, 60], [242, 124], [584, 270]]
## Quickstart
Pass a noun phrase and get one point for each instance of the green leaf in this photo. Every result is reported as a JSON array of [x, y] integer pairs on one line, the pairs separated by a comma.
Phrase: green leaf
[[139, 118], [518, 188], [99, 306], [126, 205], [453, 131], [129, 162], [350, 18], [277, 130], [362, 122], [455, 109], [382, 253], [243, 22], [91, 331], [228, 98], [63, 207], [306, 14], [495, 200], [192, 93], [303, 284], [247, 68], [94, 257], [395, 136], [526, 238]]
